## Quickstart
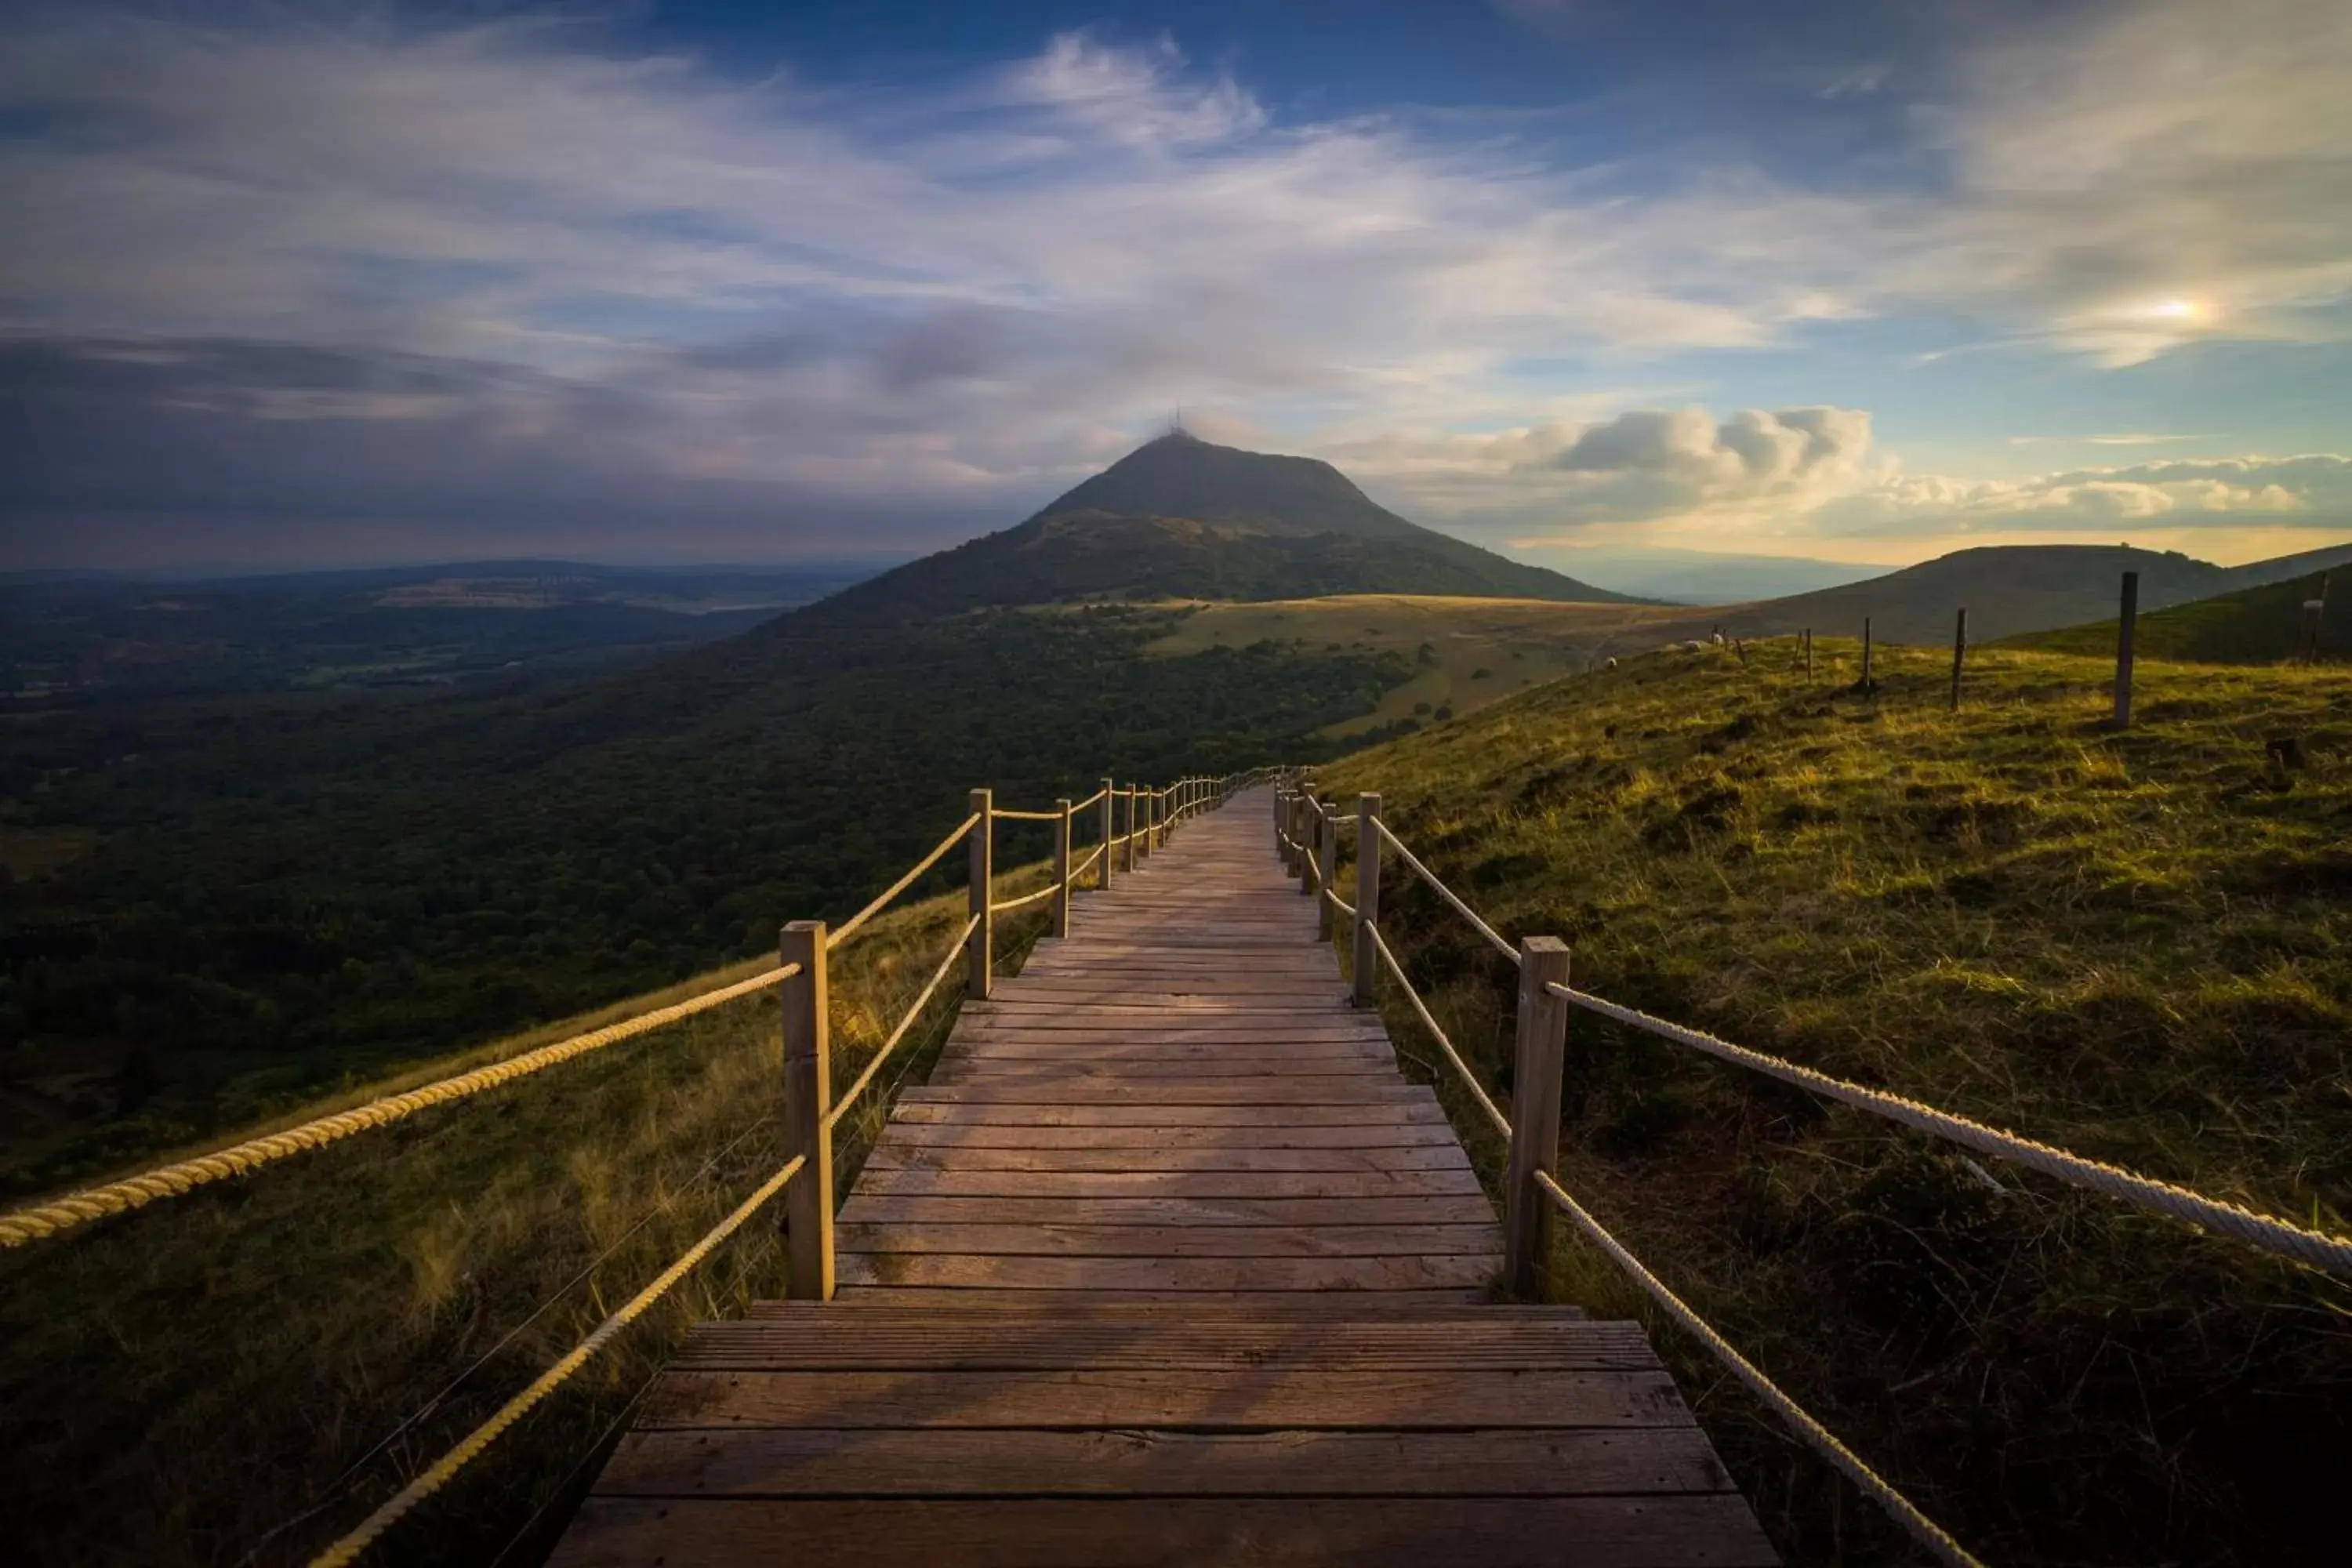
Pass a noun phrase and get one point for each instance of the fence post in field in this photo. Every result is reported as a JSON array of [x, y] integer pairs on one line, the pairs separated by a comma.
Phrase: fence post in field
[[1102, 869], [1062, 868], [808, 1096], [980, 957], [1866, 656], [1809, 653], [2125, 620], [1959, 652], [1535, 1113], [1367, 894]]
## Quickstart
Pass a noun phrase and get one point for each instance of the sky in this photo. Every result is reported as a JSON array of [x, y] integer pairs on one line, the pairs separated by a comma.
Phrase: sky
[[300, 284]]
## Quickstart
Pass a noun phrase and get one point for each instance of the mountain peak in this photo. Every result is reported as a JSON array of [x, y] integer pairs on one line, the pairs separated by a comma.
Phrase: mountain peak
[[1178, 474]]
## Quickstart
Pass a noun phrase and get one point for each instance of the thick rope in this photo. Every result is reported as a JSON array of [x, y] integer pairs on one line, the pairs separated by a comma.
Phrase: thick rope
[[1442, 892], [1929, 1533], [349, 1548], [1340, 904], [39, 1220], [1025, 899], [1502, 1123], [1093, 799], [1028, 815], [849, 1096], [2320, 1250], [1087, 865], [840, 933]]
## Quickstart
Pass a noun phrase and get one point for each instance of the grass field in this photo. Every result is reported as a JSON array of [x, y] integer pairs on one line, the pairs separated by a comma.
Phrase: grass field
[[2253, 625], [1462, 653], [223, 1378], [2138, 945]]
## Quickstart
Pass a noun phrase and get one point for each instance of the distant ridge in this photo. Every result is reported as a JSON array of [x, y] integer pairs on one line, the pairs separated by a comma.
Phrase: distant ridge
[[2009, 590], [1183, 518], [2262, 625]]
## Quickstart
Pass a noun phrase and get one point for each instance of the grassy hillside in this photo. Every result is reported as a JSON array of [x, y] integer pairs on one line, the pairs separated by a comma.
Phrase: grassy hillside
[[2007, 590], [2138, 945], [1462, 653], [206, 1382], [2254, 625], [228, 909]]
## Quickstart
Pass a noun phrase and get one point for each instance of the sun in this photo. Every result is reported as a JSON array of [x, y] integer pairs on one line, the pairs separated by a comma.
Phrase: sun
[[2178, 309]]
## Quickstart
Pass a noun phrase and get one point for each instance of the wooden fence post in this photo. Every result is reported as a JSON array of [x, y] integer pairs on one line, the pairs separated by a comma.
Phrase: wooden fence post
[[1309, 817], [1282, 816], [1134, 792], [1865, 686], [1367, 894], [1061, 867], [1809, 653], [2126, 621], [1535, 1113], [1326, 861], [980, 956], [808, 1097], [1142, 844], [1102, 867], [1959, 653]]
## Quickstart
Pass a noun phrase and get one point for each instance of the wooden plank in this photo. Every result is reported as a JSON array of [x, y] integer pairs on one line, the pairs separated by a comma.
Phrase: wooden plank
[[1246, 1400], [1425, 1111], [933, 1338], [1075, 1089], [1174, 1241], [896, 1156], [1030, 1126], [934, 1299], [870, 1205], [818, 1462], [1715, 1529], [1172, 1184], [993, 1271]]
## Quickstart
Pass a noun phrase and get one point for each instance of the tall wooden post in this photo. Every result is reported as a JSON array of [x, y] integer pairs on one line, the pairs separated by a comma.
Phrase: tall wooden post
[[1144, 795], [808, 1097], [1535, 1113], [1062, 868], [1102, 865], [1326, 861], [2126, 621], [1865, 654], [1128, 848], [980, 955], [1809, 653], [1367, 894], [1282, 818], [1308, 819], [1959, 653]]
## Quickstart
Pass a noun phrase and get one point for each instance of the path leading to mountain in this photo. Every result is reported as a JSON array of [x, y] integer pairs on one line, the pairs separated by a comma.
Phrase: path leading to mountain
[[1168, 1264]]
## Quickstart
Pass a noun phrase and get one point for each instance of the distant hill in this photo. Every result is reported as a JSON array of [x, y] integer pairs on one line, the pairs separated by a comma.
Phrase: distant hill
[[2252, 626], [2008, 590], [1182, 518]]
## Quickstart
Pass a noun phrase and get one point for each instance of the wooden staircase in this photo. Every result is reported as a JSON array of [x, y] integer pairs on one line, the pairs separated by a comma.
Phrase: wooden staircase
[[1168, 1264]]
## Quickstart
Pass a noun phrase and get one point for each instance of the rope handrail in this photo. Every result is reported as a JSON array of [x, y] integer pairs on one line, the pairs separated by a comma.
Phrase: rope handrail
[[348, 1549], [1087, 865], [1025, 899], [1027, 816], [1442, 892], [1340, 904], [1093, 799], [840, 933], [1501, 1123], [2320, 1250], [1930, 1534], [906, 1021], [38, 1220]]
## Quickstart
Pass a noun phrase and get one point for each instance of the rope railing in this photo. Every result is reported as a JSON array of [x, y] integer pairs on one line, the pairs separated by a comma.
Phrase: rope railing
[[841, 932], [1495, 1117], [1010, 814], [1442, 892], [46, 1219], [444, 1469], [1800, 1420], [841, 1107], [2320, 1250], [1025, 899]]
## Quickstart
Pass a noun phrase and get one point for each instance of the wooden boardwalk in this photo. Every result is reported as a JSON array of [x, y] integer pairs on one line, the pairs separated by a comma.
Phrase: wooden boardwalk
[[1168, 1265]]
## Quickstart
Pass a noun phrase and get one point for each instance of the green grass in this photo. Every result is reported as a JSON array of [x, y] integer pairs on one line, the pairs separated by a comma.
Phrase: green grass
[[179, 1383], [2254, 625], [1459, 654], [2132, 945]]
